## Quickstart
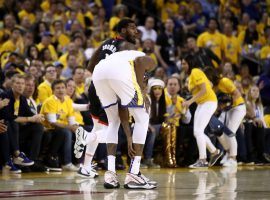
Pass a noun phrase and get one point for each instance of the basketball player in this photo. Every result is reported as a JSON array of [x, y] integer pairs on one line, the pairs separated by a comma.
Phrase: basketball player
[[127, 33], [118, 80]]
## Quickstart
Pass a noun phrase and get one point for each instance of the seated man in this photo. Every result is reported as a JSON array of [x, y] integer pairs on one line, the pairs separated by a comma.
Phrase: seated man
[[31, 133], [59, 120], [15, 113], [5, 159]]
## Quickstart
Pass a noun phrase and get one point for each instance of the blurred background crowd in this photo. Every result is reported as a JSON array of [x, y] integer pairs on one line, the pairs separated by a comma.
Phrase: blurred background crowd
[[46, 40]]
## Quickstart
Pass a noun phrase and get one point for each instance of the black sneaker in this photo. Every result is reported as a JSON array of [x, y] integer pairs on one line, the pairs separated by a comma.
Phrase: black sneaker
[[52, 164], [214, 158], [199, 164], [38, 167]]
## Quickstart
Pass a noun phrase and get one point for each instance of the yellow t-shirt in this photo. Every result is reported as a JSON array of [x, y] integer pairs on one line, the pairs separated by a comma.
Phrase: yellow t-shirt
[[173, 9], [10, 46], [63, 110], [267, 120], [44, 91], [226, 86], [45, 5], [80, 89], [16, 107], [80, 59], [232, 48], [51, 48], [63, 40], [177, 109], [265, 52], [213, 41], [196, 78], [31, 16], [78, 117]]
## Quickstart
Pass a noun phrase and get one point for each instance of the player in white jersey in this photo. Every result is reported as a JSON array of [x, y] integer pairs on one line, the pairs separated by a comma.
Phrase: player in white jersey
[[122, 85]]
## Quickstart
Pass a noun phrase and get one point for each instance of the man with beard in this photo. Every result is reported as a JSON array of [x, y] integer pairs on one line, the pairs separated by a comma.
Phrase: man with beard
[[127, 33]]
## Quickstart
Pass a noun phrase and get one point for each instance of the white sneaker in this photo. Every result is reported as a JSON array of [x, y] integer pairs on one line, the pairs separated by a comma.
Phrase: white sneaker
[[230, 163], [151, 182], [85, 173], [111, 180], [135, 181], [80, 142], [70, 167], [224, 159]]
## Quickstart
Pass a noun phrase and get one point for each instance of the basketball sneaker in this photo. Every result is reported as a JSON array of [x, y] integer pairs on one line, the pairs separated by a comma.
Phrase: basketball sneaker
[[86, 173], [111, 180], [224, 159], [135, 181], [12, 168], [199, 164], [214, 157], [22, 160], [151, 182], [230, 163], [80, 142]]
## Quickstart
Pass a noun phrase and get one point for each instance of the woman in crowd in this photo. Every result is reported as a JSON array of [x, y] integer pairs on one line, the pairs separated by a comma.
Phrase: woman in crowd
[[157, 117], [206, 101], [232, 117], [255, 127]]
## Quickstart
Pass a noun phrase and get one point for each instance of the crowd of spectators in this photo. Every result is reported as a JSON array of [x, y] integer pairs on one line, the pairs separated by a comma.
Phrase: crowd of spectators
[[45, 46]]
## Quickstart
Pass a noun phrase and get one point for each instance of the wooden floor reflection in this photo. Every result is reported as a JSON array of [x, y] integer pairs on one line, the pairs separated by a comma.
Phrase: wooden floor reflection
[[247, 182]]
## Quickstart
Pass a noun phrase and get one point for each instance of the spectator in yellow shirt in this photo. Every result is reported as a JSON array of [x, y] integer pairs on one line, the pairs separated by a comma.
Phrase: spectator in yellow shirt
[[79, 79], [15, 42], [72, 49], [119, 12], [232, 45], [59, 36], [206, 100], [174, 112], [243, 23], [44, 89], [27, 11], [60, 121], [46, 41], [212, 39], [232, 117], [9, 25], [169, 10]]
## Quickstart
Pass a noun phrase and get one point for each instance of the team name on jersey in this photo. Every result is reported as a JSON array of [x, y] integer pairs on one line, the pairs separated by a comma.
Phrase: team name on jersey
[[109, 47]]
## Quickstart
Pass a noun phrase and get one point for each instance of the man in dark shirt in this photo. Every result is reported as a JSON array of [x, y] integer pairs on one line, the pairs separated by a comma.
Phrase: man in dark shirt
[[17, 111], [168, 48], [204, 56]]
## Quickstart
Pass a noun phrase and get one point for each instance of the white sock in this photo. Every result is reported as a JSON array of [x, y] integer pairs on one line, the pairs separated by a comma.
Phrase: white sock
[[111, 163], [89, 154], [135, 165]]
